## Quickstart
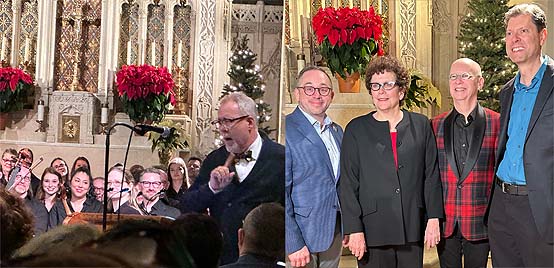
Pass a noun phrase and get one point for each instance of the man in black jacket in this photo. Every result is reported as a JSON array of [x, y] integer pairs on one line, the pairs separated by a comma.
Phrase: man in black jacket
[[234, 179]]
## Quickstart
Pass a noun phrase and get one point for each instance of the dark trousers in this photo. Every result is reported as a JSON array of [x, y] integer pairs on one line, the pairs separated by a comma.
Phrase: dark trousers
[[408, 256], [451, 249], [513, 235]]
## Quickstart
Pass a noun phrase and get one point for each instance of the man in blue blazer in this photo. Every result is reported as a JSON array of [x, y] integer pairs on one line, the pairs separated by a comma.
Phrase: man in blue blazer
[[521, 209], [312, 150], [236, 178]]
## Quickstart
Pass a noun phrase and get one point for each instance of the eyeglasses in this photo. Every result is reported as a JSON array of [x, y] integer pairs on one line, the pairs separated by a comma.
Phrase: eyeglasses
[[385, 85], [464, 76], [323, 91], [227, 122], [25, 179], [153, 183]]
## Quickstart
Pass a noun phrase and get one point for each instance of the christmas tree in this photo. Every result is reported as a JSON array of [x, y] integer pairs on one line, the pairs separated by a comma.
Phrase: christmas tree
[[482, 39], [245, 77]]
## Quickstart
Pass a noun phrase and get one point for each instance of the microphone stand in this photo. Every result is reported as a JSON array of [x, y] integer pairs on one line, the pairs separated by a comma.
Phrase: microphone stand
[[106, 163]]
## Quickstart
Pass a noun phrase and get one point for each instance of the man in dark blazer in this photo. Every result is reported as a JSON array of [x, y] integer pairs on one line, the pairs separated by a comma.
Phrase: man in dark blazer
[[466, 142], [234, 179], [521, 211], [313, 234], [151, 187]]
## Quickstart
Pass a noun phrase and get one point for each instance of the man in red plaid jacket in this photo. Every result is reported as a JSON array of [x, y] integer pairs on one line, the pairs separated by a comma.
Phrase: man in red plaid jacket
[[466, 142]]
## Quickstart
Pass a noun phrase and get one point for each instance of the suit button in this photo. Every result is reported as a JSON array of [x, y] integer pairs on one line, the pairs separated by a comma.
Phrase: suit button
[[460, 186], [397, 190], [400, 166], [229, 204]]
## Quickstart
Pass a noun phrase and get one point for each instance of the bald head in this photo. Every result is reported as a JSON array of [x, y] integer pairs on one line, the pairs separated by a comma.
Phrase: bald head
[[465, 80]]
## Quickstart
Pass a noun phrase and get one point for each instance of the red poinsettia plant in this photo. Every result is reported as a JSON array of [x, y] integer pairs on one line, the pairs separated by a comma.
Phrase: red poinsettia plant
[[15, 85], [145, 91], [348, 37]]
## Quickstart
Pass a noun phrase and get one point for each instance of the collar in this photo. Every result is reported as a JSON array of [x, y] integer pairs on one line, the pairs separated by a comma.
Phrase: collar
[[536, 79], [327, 122], [255, 147], [470, 117]]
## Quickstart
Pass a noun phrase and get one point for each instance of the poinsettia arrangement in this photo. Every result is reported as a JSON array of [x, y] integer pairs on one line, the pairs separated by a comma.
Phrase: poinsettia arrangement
[[15, 85], [348, 37], [145, 91]]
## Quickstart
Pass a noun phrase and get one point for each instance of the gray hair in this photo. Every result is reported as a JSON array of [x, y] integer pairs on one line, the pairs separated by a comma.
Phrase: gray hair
[[151, 170], [310, 68], [533, 10], [246, 104]]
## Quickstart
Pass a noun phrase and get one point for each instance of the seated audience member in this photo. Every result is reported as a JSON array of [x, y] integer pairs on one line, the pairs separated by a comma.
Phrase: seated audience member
[[61, 167], [157, 244], [63, 238], [119, 193], [262, 238], [98, 188], [51, 188], [21, 189], [79, 184], [16, 225], [151, 186], [193, 168], [9, 159], [202, 237], [177, 175]]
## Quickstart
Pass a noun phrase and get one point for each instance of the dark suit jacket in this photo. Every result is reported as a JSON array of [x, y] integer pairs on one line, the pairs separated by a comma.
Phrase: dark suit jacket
[[465, 197], [40, 214], [538, 152], [265, 183], [310, 186], [387, 204], [253, 261], [162, 209]]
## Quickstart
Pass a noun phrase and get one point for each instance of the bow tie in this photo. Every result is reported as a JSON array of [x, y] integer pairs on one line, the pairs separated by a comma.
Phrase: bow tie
[[247, 156]]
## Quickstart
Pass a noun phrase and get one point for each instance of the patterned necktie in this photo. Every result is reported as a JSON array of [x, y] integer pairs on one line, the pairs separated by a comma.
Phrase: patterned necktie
[[246, 156]]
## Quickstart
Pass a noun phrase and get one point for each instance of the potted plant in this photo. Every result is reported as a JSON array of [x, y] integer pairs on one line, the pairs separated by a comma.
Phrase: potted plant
[[421, 92], [14, 87], [146, 92], [177, 140], [348, 38]]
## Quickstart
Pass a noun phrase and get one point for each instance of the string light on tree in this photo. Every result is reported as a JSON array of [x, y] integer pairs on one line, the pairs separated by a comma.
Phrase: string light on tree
[[481, 38]]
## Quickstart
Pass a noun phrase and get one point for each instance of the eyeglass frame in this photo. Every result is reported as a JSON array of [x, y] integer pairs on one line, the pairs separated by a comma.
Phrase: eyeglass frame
[[12, 160], [151, 183], [454, 77], [382, 85], [228, 123], [318, 89]]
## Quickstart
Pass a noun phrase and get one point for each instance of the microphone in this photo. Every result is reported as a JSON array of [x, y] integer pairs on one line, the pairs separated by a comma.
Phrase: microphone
[[163, 131]]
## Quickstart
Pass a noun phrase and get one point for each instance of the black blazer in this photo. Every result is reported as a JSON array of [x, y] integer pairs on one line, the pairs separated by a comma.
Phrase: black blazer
[[265, 183], [538, 151], [162, 209], [40, 214], [391, 207], [253, 261]]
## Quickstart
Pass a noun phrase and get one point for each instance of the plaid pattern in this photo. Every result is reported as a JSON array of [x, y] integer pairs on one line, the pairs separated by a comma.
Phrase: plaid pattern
[[465, 200]]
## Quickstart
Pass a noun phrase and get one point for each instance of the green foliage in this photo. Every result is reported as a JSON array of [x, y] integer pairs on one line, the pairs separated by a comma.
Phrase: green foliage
[[421, 92], [348, 58], [12, 101], [177, 139], [481, 38], [152, 108], [245, 77]]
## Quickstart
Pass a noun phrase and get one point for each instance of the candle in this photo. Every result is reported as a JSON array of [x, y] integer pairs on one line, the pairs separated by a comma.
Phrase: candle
[[323, 3], [300, 37], [40, 110], [380, 7], [4, 44], [154, 52], [104, 115], [179, 48], [27, 49], [301, 61], [128, 52]]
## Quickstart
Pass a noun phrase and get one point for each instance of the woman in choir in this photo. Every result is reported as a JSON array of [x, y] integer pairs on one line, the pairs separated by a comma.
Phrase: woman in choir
[[120, 191], [79, 183], [178, 178], [61, 167], [51, 188], [389, 188]]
